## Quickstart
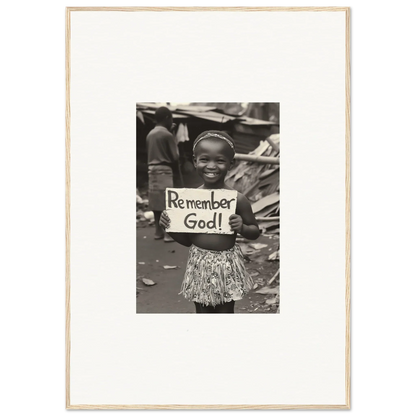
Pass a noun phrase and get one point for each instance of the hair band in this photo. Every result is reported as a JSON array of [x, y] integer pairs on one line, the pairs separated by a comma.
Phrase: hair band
[[218, 136]]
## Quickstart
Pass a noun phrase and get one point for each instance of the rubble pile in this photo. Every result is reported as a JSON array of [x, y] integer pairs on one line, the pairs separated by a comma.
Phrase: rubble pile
[[260, 184], [144, 216]]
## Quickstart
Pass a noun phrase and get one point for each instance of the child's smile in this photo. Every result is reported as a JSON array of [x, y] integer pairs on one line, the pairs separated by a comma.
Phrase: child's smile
[[211, 174]]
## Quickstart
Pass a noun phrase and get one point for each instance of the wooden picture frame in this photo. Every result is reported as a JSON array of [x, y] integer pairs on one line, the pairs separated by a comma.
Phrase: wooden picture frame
[[73, 138]]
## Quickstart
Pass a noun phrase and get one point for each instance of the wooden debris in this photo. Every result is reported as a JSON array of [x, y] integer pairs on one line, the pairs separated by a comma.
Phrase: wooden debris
[[260, 183], [273, 278], [268, 218], [274, 144], [247, 250], [242, 240], [274, 256], [272, 301], [268, 291], [258, 246], [148, 282], [265, 202], [267, 173], [268, 225], [257, 159]]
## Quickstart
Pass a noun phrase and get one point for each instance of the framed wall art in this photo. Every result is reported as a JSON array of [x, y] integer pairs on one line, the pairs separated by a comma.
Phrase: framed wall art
[[208, 172]]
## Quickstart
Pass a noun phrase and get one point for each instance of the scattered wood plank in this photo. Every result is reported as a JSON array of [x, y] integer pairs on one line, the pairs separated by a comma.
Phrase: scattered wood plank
[[266, 212], [265, 202], [251, 188], [273, 278], [258, 159], [274, 145], [274, 256], [268, 291], [148, 282], [268, 172], [272, 179]]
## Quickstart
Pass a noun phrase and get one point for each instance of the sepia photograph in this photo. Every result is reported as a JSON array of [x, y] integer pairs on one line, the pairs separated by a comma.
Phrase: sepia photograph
[[207, 207]]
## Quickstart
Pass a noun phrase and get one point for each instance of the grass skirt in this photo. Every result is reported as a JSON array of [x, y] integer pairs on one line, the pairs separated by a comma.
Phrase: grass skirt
[[215, 277]]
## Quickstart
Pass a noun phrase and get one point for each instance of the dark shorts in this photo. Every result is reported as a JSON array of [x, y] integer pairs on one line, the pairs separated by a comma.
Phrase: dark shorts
[[160, 178]]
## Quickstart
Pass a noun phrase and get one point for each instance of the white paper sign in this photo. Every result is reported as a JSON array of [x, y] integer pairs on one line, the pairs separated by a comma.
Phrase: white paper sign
[[204, 211]]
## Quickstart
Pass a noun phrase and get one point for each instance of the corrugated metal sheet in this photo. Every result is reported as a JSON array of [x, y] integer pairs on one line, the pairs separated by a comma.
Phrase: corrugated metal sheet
[[154, 106], [209, 115], [194, 108], [245, 143], [264, 111], [197, 108], [247, 138], [247, 132], [174, 115], [233, 109], [248, 121], [262, 130]]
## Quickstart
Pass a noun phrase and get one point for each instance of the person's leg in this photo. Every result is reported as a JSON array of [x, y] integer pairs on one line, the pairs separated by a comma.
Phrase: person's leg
[[227, 307], [168, 183], [159, 233], [204, 309], [168, 238]]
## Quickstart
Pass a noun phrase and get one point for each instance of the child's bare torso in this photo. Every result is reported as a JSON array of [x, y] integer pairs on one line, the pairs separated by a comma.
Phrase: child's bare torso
[[218, 242]]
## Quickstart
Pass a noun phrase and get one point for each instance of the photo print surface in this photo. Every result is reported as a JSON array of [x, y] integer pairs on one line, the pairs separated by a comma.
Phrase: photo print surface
[[207, 207]]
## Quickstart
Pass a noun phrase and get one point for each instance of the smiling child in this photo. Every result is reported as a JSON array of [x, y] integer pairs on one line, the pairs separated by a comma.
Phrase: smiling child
[[215, 275]]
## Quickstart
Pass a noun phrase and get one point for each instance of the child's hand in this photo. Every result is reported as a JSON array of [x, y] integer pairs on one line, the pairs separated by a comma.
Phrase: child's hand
[[164, 221], [236, 223]]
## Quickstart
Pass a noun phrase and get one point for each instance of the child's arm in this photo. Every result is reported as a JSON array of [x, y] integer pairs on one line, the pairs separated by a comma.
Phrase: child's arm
[[181, 238], [243, 221]]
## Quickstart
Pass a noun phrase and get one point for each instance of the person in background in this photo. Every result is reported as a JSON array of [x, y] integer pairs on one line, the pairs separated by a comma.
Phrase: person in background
[[162, 155]]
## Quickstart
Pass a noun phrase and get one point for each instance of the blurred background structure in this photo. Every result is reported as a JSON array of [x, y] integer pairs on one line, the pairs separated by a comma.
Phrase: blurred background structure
[[247, 123]]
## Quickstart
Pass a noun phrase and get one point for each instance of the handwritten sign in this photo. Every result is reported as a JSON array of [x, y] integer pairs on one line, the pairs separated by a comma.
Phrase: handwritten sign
[[204, 211]]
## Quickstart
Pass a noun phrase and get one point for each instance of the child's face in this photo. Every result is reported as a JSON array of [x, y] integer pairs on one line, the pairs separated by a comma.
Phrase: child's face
[[213, 158]]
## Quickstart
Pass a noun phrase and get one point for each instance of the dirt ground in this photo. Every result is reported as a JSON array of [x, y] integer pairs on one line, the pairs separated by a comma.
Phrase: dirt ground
[[163, 297]]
